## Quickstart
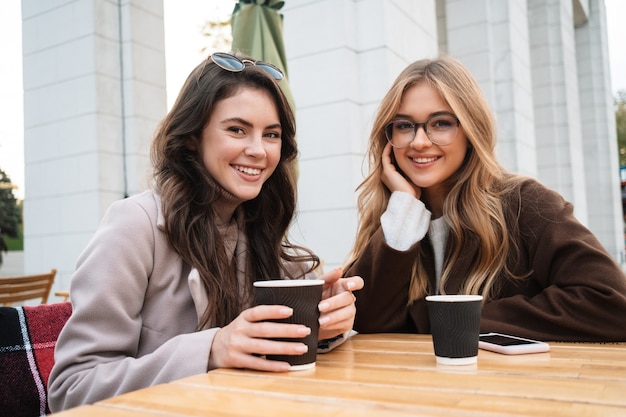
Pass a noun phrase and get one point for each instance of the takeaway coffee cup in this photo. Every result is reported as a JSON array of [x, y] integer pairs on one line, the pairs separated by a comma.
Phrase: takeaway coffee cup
[[303, 296], [455, 326]]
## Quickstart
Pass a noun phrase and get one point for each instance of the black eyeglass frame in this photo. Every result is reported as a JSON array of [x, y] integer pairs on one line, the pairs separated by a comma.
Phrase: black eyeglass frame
[[231, 63], [389, 126]]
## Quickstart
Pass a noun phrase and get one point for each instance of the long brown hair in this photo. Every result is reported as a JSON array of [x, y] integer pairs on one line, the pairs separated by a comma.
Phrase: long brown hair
[[473, 205], [188, 193]]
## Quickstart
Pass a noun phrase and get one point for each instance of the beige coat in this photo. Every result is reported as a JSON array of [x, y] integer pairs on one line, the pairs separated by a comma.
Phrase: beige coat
[[136, 306]]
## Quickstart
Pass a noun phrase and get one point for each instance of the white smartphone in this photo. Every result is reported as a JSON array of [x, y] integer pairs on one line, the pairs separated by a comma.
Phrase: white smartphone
[[510, 345]]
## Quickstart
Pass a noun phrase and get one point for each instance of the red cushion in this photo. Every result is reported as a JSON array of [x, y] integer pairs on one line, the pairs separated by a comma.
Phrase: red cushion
[[27, 339]]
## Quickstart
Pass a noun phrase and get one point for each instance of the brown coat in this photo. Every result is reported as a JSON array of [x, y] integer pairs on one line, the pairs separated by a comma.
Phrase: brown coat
[[576, 291]]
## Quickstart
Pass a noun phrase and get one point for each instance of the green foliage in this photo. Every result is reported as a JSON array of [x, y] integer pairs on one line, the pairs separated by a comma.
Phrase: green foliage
[[10, 210], [16, 243], [218, 34], [620, 122]]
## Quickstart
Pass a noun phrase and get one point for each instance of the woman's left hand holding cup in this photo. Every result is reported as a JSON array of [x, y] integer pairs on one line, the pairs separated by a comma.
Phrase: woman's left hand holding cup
[[337, 308]]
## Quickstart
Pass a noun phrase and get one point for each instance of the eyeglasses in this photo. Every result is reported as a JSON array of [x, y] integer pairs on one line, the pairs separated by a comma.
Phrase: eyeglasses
[[231, 63], [440, 129]]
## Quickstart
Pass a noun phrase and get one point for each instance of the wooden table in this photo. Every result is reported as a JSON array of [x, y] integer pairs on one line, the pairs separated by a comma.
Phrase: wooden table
[[396, 375]]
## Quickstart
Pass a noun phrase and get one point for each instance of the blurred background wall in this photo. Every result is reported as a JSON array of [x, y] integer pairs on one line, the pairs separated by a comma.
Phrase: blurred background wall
[[94, 91]]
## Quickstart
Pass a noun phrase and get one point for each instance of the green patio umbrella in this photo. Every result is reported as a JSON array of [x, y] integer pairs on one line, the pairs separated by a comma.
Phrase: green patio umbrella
[[257, 28]]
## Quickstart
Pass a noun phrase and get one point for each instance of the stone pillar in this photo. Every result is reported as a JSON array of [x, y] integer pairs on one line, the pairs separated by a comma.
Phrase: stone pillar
[[557, 105], [338, 73], [597, 117], [491, 38], [94, 90]]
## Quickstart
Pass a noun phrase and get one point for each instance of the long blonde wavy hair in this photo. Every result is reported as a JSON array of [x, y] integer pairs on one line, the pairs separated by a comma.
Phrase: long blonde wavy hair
[[473, 205]]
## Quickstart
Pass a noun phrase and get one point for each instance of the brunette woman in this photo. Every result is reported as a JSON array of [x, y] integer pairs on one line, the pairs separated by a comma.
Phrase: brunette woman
[[164, 288]]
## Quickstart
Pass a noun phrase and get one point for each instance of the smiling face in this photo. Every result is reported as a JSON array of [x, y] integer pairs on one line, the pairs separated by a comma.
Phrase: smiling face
[[241, 144], [428, 165]]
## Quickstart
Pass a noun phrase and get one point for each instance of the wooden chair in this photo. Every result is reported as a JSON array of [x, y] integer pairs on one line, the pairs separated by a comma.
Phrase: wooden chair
[[26, 287], [65, 295]]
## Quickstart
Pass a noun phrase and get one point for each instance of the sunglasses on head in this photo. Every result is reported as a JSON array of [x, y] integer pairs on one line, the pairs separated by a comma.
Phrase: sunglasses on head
[[231, 63]]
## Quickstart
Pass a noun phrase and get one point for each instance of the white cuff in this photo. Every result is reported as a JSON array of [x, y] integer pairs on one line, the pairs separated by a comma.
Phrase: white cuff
[[405, 222]]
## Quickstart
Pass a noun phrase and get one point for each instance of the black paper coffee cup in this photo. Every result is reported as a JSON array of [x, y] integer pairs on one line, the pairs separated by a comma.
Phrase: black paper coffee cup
[[303, 296], [455, 327]]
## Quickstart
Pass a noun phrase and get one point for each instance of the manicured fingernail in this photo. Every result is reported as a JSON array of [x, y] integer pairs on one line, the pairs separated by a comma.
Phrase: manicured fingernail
[[304, 331], [323, 306], [324, 320], [350, 285], [302, 348], [286, 311]]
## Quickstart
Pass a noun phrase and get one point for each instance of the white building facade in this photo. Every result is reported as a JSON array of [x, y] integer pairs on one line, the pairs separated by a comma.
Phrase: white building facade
[[94, 83]]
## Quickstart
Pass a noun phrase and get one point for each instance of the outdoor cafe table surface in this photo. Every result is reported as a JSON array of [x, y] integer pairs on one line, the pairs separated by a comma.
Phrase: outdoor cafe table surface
[[396, 375]]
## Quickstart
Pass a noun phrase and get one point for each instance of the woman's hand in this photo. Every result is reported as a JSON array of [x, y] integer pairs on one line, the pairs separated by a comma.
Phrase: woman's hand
[[239, 344], [337, 306], [393, 179]]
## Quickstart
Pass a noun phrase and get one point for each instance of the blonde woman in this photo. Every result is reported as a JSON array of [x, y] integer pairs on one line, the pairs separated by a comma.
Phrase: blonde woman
[[439, 214]]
